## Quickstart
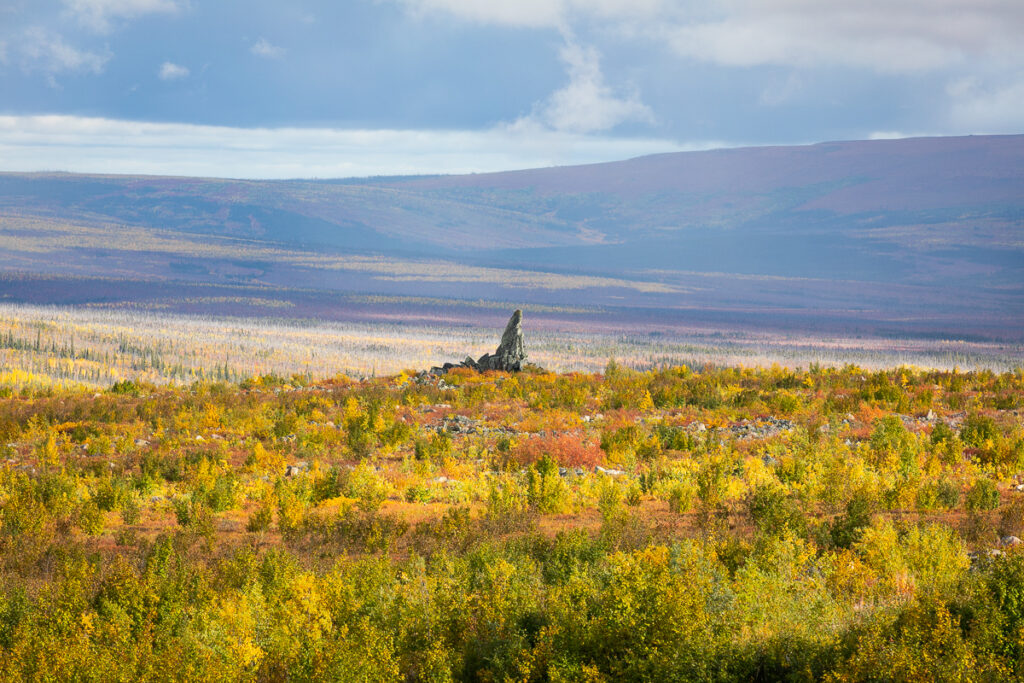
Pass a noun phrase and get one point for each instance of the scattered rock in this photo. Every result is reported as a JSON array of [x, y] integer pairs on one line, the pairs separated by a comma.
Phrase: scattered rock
[[295, 470], [610, 473], [1010, 541], [770, 426]]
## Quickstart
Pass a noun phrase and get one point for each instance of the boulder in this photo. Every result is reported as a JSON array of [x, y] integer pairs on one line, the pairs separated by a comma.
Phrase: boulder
[[510, 356]]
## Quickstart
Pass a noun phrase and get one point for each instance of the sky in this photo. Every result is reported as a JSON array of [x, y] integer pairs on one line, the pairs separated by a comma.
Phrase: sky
[[337, 88]]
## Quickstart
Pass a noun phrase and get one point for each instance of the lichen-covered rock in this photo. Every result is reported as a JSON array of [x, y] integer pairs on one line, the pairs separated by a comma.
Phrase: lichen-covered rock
[[510, 355]]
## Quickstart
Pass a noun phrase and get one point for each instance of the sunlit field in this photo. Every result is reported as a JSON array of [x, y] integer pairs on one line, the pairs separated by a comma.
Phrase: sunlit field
[[680, 523], [97, 347]]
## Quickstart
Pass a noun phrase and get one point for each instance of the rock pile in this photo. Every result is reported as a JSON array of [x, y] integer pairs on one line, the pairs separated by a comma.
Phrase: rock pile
[[510, 355]]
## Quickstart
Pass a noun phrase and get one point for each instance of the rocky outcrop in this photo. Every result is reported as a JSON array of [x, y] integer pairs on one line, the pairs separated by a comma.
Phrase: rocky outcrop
[[510, 355]]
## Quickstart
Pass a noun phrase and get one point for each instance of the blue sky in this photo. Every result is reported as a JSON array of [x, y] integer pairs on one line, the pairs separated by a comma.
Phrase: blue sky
[[327, 88]]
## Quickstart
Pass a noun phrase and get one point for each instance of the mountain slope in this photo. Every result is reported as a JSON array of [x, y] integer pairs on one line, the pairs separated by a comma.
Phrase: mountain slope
[[902, 231]]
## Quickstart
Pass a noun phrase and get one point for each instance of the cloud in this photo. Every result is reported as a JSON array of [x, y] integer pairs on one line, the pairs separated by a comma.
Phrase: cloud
[[170, 71], [99, 14], [47, 52], [896, 36], [586, 104], [97, 145], [542, 13], [980, 107], [263, 48]]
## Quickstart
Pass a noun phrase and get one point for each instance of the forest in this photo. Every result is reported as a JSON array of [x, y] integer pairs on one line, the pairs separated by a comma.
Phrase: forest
[[680, 523]]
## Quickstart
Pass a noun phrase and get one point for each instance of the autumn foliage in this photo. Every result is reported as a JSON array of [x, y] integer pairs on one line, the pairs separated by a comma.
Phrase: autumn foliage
[[720, 523]]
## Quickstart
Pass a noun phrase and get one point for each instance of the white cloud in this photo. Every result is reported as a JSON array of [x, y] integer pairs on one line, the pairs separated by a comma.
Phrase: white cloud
[[980, 107], [95, 145], [543, 13], [586, 104], [99, 14], [47, 52], [170, 71], [900, 36], [263, 48]]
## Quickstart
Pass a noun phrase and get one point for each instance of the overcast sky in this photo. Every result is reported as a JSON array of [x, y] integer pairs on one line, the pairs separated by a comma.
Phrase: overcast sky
[[328, 88]]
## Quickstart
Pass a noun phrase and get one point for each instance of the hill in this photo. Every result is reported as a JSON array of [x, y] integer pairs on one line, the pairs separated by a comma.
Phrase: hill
[[914, 236]]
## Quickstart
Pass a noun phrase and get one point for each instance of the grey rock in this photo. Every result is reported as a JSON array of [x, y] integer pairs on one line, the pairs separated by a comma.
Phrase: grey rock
[[510, 356], [1008, 541], [511, 352]]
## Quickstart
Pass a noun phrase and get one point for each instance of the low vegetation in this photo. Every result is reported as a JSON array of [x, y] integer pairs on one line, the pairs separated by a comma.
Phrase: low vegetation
[[720, 523]]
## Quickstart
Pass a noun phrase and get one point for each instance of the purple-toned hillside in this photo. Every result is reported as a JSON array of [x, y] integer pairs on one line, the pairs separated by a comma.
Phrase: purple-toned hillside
[[915, 235], [907, 174]]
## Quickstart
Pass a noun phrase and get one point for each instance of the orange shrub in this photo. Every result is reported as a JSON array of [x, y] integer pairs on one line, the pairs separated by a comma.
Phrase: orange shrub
[[568, 450]]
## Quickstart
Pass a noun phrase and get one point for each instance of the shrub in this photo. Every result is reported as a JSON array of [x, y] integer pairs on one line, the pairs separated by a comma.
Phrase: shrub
[[130, 510], [90, 518], [366, 486], [983, 495], [680, 496], [847, 529], [567, 450], [1011, 519], [545, 490], [924, 644], [978, 431], [261, 518], [773, 511]]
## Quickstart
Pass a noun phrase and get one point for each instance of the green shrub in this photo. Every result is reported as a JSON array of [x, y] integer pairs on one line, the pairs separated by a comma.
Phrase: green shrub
[[545, 490], [130, 510], [977, 430], [773, 510], [847, 529], [89, 518], [983, 495], [680, 496]]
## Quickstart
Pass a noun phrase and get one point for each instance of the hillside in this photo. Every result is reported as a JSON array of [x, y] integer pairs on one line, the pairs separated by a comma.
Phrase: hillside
[[916, 236]]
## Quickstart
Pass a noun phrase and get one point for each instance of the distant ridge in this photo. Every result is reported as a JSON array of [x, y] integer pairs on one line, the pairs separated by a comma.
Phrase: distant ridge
[[915, 231]]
